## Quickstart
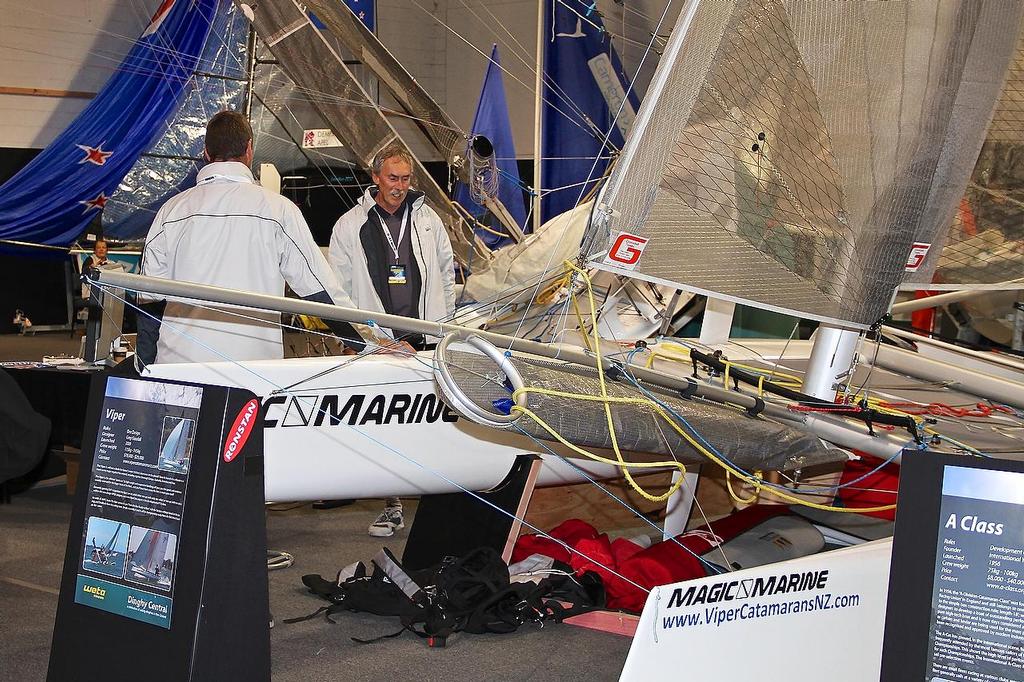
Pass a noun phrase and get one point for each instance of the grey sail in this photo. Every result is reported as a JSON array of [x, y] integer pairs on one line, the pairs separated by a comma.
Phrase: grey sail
[[150, 555], [781, 157], [311, 59], [985, 241], [750, 443], [110, 545]]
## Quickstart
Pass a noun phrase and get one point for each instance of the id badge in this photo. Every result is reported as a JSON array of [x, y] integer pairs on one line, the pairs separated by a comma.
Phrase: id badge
[[396, 274]]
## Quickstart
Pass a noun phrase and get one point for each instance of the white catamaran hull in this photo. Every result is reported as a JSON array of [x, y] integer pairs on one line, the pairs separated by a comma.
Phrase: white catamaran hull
[[372, 427]]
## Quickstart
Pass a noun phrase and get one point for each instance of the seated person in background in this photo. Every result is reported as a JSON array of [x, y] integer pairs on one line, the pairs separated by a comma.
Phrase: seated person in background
[[98, 259], [99, 256]]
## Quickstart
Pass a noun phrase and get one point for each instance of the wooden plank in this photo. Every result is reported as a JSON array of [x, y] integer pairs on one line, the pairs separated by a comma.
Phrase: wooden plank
[[45, 92]]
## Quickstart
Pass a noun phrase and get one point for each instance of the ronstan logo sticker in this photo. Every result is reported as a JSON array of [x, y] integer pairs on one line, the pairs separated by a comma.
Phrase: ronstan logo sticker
[[240, 430]]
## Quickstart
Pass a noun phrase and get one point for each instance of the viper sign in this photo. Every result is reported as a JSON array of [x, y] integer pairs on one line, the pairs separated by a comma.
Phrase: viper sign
[[625, 251]]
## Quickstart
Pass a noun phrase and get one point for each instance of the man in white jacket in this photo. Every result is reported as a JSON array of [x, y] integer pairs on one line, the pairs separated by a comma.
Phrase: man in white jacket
[[227, 231], [392, 254]]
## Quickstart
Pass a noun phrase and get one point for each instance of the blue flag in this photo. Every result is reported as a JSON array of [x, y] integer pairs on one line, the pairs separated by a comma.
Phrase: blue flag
[[53, 198], [584, 89], [365, 11], [492, 121]]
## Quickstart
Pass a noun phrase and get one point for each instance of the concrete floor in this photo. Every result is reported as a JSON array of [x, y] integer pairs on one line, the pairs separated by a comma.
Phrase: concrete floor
[[33, 535], [33, 532]]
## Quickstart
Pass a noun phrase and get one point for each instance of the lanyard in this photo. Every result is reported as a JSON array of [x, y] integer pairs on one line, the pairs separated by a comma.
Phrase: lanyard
[[387, 231]]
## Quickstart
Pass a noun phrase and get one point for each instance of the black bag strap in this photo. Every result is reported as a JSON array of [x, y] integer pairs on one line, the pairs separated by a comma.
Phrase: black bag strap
[[387, 562]]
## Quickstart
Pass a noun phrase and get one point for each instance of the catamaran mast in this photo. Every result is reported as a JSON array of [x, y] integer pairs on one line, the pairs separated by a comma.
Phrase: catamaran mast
[[537, 125], [831, 360]]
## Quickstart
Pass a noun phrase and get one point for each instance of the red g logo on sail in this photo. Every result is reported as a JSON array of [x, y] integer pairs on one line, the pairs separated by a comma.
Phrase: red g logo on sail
[[626, 250], [240, 430], [918, 252]]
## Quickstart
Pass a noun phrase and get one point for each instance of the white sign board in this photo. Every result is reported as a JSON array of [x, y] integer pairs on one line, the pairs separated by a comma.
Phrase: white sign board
[[320, 137], [813, 618]]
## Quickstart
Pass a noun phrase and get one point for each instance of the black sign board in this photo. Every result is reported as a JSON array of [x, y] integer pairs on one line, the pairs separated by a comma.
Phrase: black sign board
[[165, 569], [956, 586]]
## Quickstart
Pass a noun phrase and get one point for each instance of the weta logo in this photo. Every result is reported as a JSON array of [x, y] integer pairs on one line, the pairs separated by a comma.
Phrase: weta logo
[[355, 410], [95, 591]]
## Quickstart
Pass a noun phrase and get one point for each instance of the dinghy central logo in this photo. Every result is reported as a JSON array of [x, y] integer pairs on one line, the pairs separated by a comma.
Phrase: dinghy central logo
[[355, 410]]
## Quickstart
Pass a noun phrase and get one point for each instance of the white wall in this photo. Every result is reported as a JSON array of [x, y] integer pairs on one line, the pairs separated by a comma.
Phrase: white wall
[[60, 45], [76, 44]]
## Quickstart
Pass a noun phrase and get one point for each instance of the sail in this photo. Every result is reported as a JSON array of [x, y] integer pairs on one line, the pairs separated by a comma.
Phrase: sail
[[491, 120], [177, 443], [985, 241], [110, 545], [81, 168], [588, 106], [217, 82], [777, 159], [150, 555]]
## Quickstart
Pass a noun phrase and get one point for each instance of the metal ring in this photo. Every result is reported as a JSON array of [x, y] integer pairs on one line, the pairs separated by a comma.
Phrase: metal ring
[[457, 396]]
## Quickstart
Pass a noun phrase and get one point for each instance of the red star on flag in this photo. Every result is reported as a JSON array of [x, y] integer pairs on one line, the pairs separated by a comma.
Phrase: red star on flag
[[95, 154], [98, 202]]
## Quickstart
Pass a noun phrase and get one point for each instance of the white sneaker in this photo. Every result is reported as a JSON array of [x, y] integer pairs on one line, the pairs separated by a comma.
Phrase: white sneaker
[[387, 523]]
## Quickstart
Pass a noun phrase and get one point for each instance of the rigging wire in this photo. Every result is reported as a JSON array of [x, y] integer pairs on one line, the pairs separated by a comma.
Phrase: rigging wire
[[607, 137], [386, 446], [504, 70], [523, 56]]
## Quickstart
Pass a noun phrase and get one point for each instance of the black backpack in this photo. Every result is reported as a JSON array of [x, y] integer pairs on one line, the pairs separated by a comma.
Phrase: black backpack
[[470, 593]]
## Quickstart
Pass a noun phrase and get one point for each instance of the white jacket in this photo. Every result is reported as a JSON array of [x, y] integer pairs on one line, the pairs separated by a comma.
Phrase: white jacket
[[430, 246], [227, 231]]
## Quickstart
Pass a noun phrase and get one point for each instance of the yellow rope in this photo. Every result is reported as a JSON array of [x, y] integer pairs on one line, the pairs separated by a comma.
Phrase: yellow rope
[[582, 324], [650, 404], [604, 393], [750, 500], [607, 401], [619, 463]]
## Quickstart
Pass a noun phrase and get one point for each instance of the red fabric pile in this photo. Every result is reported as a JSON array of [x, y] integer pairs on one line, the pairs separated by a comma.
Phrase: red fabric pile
[[870, 491], [660, 564]]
